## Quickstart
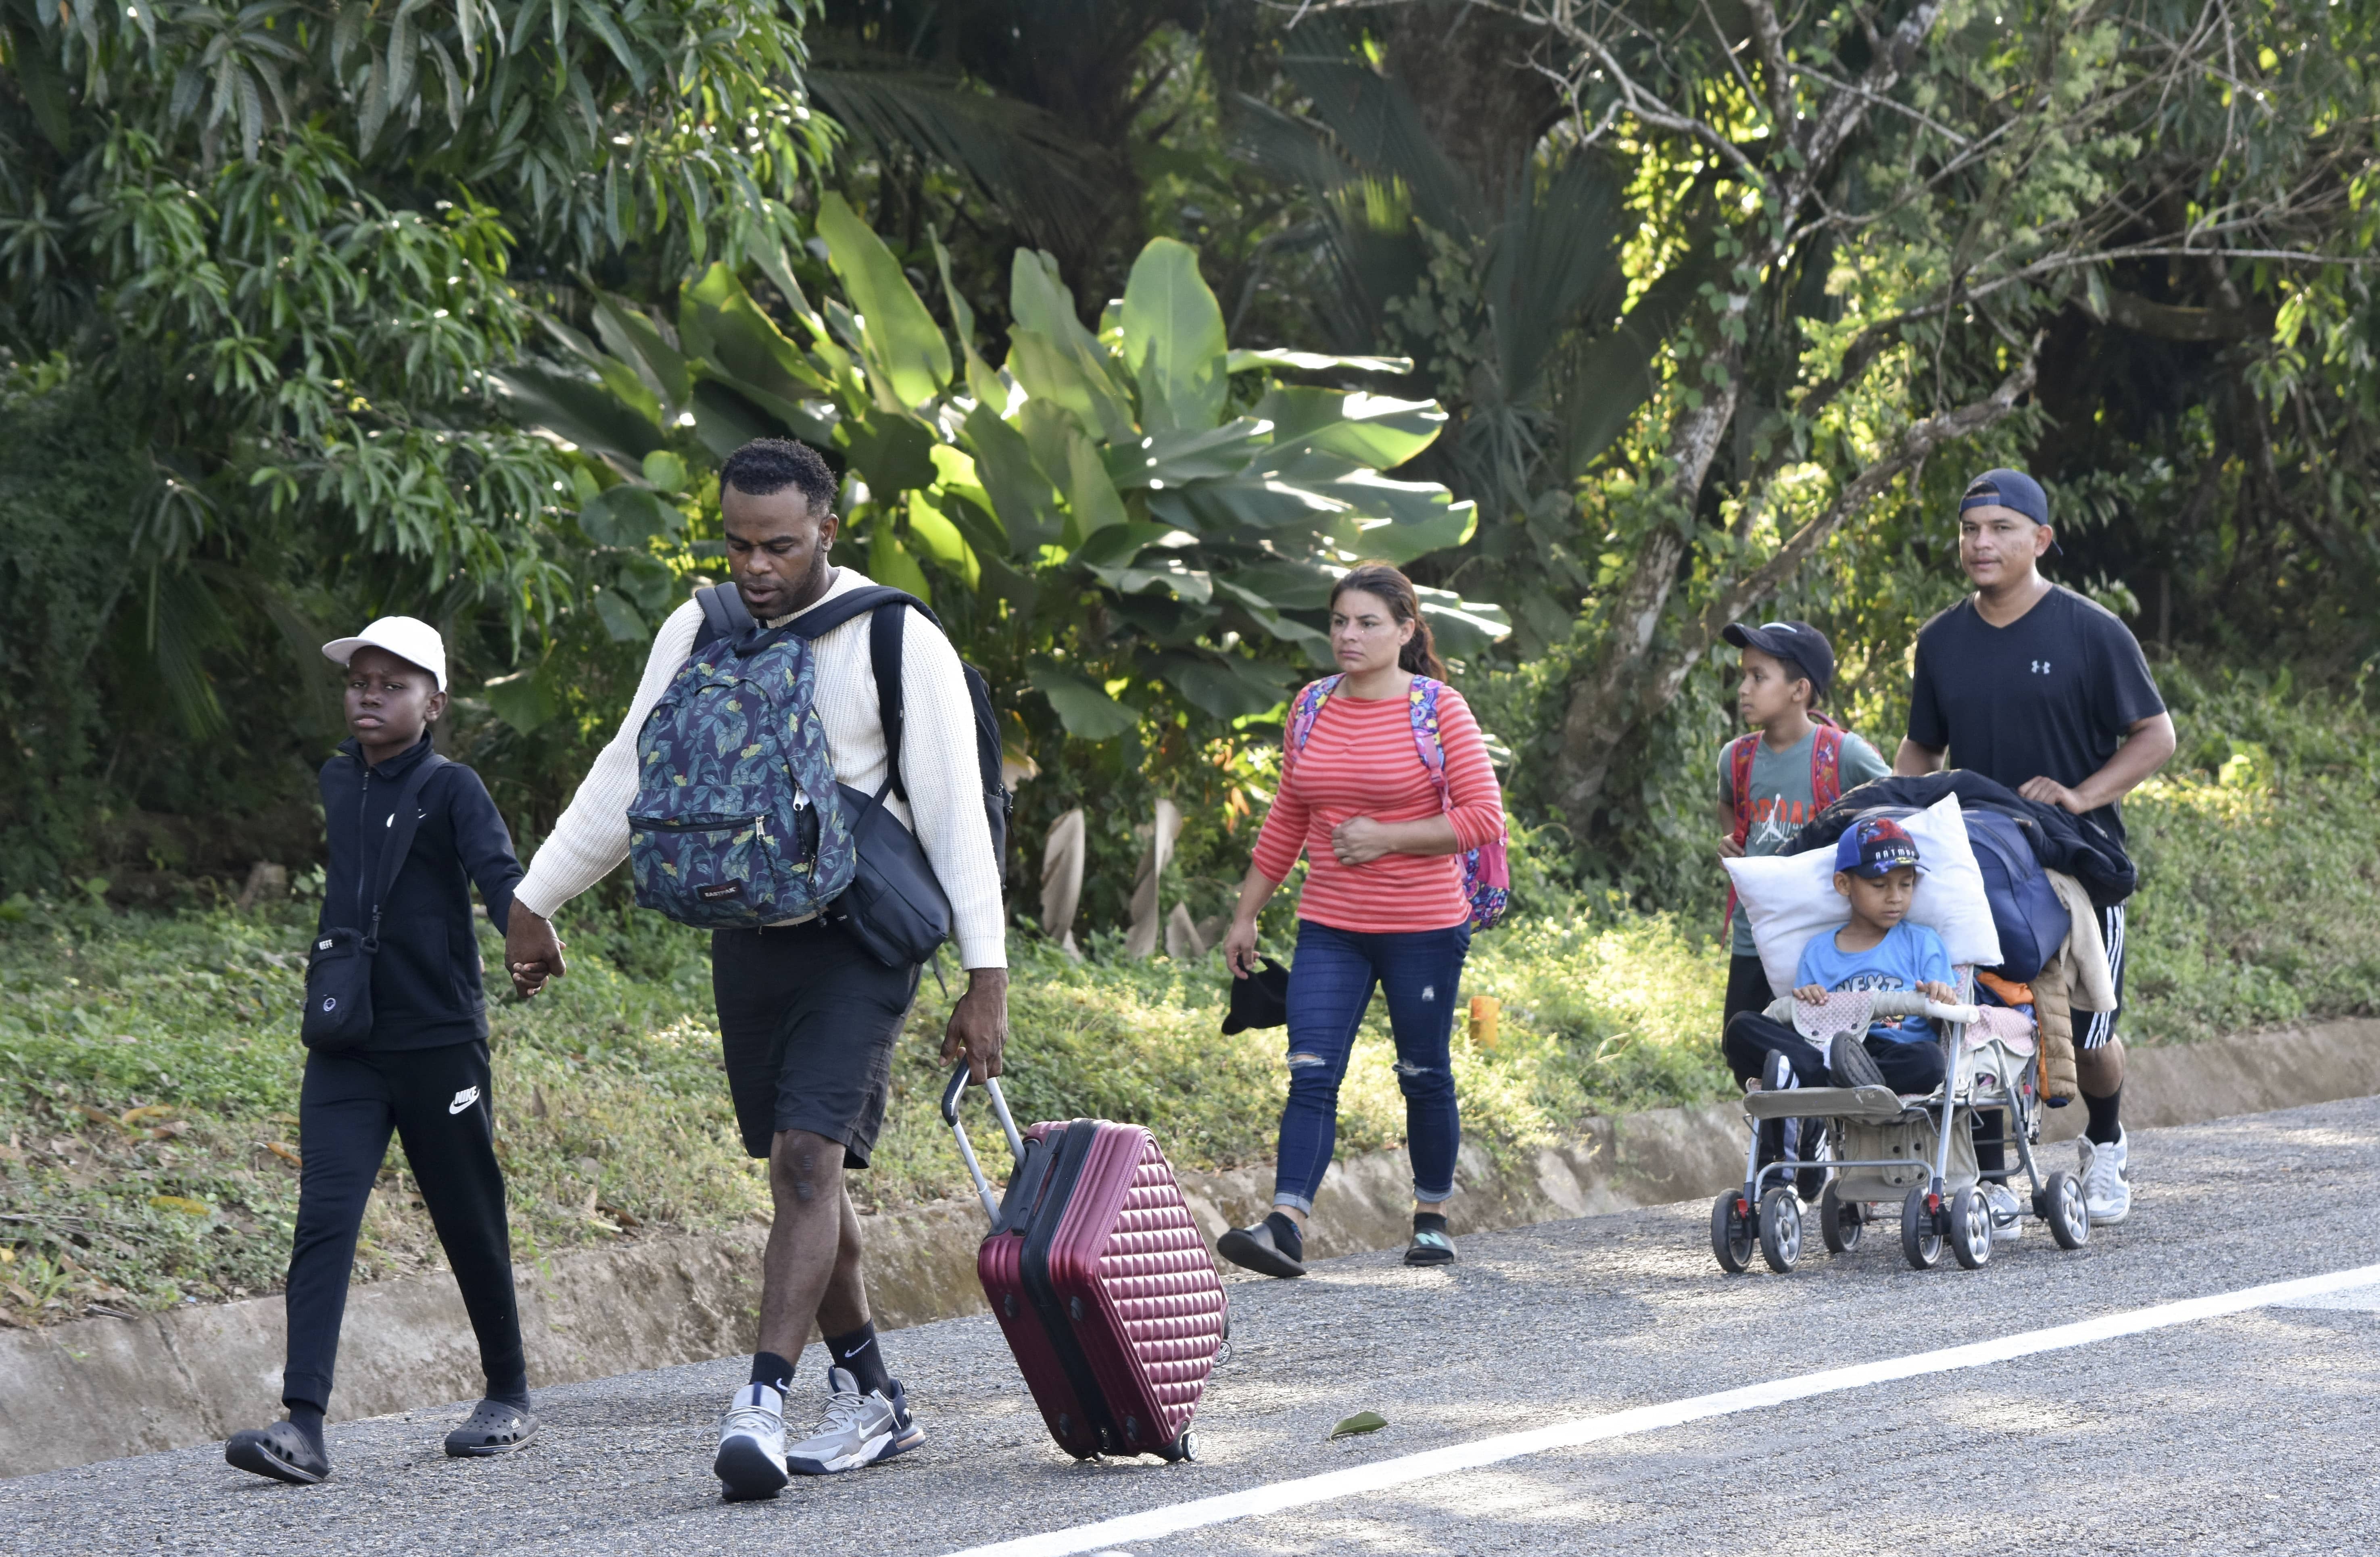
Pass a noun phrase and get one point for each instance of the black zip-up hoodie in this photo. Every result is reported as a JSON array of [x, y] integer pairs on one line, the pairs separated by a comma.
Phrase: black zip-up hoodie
[[425, 989]]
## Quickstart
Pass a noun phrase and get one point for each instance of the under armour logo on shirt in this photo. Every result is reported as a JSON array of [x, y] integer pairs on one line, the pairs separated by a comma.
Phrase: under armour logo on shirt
[[464, 1099], [2041, 667]]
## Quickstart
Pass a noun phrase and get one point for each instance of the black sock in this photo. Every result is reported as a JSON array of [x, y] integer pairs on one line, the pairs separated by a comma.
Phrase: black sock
[[1286, 1237], [1991, 1156], [859, 1354], [2104, 1129], [512, 1393], [769, 1369], [307, 1418], [1429, 1221]]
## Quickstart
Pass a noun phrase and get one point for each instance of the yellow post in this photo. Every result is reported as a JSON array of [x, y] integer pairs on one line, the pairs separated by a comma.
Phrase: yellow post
[[1484, 1010]]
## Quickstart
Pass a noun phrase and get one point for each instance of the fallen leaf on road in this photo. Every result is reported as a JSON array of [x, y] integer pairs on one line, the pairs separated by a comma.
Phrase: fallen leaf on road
[[1362, 1421]]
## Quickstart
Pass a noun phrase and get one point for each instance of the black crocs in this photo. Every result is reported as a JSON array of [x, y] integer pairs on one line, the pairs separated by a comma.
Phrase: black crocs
[[492, 1427], [280, 1451]]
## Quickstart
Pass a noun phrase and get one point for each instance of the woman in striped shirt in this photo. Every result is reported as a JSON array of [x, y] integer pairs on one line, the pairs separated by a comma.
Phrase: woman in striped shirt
[[1383, 906]]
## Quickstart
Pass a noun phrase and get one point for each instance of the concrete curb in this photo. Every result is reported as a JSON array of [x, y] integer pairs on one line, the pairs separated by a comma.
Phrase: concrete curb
[[99, 1389]]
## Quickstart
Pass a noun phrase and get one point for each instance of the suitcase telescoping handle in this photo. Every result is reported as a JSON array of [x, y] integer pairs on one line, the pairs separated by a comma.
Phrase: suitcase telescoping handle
[[1007, 1124]]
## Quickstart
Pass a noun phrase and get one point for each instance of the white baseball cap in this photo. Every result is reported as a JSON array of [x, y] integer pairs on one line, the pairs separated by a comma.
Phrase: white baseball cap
[[408, 638]]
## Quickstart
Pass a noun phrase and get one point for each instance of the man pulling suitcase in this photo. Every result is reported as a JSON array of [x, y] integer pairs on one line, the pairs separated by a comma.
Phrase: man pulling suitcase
[[769, 834]]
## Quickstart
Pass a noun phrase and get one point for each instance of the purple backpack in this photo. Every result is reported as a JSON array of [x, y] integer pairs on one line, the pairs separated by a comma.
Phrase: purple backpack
[[1487, 874]]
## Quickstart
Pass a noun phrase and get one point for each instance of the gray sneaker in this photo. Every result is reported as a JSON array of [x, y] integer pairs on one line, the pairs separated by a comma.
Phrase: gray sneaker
[[859, 1429]]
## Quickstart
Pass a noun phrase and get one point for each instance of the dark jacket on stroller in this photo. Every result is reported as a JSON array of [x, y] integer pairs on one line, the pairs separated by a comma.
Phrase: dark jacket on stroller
[[2076, 846]]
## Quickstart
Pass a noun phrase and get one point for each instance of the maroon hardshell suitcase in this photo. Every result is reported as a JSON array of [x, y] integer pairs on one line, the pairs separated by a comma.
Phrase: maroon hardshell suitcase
[[1101, 1281]]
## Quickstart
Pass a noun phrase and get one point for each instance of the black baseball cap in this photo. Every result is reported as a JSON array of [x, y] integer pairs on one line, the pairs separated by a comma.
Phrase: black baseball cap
[[1260, 1000], [1797, 644]]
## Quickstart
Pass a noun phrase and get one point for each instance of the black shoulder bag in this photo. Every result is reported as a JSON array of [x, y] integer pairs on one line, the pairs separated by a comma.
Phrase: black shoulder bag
[[338, 973]]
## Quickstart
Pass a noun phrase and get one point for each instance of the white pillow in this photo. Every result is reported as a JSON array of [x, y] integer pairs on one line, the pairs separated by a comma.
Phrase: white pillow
[[1791, 897]]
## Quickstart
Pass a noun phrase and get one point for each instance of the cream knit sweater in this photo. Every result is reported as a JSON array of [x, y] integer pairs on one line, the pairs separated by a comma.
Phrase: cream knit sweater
[[937, 767]]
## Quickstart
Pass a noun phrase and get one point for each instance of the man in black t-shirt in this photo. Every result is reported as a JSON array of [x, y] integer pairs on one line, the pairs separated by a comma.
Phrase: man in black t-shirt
[[2030, 685]]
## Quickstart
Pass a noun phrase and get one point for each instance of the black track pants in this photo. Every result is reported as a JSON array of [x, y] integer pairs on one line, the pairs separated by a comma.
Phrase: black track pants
[[437, 1102], [1747, 990], [1752, 1038]]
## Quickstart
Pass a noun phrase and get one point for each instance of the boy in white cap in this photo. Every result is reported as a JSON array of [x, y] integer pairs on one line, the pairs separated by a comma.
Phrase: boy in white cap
[[409, 832]]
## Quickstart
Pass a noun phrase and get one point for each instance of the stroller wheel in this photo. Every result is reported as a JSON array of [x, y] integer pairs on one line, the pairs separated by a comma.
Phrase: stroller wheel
[[1971, 1228], [1731, 1233], [1839, 1221], [1780, 1229], [1920, 1240], [2069, 1222]]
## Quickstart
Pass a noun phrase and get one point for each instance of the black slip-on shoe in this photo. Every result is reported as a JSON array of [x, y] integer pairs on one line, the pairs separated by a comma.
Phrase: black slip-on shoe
[[492, 1427], [1430, 1247], [280, 1451], [1254, 1248]]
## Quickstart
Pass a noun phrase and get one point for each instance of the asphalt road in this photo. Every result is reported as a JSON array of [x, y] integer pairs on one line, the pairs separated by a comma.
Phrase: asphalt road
[[2251, 1432]]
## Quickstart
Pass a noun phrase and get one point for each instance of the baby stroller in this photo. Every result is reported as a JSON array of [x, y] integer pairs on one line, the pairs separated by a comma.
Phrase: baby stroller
[[1879, 1147]]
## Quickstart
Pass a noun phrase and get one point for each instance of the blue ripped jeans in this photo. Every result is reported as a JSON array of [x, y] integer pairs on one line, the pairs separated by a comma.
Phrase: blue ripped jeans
[[1330, 984]]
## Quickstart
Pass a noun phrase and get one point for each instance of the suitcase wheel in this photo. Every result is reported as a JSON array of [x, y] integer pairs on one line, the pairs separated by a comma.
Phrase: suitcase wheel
[[1181, 1449]]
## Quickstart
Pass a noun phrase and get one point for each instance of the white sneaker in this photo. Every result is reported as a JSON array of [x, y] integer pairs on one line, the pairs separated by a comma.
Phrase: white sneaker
[[2007, 1214], [858, 1429], [751, 1462], [2106, 1189]]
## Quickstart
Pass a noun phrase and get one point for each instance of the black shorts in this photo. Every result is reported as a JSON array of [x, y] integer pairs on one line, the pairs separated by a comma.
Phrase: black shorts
[[806, 1025]]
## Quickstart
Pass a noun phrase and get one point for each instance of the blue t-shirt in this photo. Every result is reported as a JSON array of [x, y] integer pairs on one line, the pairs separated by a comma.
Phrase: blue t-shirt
[[1908, 956]]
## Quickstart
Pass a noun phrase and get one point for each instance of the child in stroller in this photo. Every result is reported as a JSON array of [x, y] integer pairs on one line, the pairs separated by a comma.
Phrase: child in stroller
[[1832, 1084]]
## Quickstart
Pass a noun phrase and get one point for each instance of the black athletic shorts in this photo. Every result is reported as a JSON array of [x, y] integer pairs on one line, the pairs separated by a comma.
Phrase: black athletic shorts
[[806, 1025]]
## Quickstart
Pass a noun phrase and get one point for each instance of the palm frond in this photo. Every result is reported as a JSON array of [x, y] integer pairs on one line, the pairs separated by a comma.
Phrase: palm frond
[[1553, 263], [1020, 157], [1373, 118]]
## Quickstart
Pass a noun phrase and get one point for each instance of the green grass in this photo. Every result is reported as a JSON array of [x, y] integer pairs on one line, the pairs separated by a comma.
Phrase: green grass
[[149, 1064]]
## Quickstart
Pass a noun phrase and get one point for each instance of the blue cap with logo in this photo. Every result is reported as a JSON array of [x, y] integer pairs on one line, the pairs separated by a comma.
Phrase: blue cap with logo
[[1876, 846]]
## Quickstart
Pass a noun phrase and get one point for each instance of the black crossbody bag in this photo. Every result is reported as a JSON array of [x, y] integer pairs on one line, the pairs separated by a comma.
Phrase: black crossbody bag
[[338, 973]]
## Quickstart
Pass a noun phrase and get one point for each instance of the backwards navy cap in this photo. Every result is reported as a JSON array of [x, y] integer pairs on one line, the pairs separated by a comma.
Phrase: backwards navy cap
[[2013, 489], [2008, 489]]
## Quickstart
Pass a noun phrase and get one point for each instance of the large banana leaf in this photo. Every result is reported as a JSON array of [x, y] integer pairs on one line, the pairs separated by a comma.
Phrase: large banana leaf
[[910, 354], [1120, 502], [1173, 339]]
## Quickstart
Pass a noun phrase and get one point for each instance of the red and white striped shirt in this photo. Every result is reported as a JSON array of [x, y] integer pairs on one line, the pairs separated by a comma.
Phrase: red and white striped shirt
[[1360, 760]]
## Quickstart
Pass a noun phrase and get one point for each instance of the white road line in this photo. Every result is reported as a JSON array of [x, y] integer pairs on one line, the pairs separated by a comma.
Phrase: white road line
[[1380, 1476]]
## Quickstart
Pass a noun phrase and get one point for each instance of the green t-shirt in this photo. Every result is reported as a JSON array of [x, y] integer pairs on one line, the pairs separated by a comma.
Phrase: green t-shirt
[[1781, 799]]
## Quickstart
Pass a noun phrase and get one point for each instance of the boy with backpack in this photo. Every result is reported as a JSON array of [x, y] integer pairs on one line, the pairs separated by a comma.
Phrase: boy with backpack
[[1795, 764], [789, 732], [397, 1033]]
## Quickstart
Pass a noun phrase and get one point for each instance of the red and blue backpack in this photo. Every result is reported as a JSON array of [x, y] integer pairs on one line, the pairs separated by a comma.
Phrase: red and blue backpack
[[1826, 780], [1487, 871]]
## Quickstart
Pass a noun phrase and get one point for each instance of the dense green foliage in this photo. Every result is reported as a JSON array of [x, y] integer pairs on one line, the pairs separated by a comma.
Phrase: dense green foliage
[[283, 244], [1721, 303]]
